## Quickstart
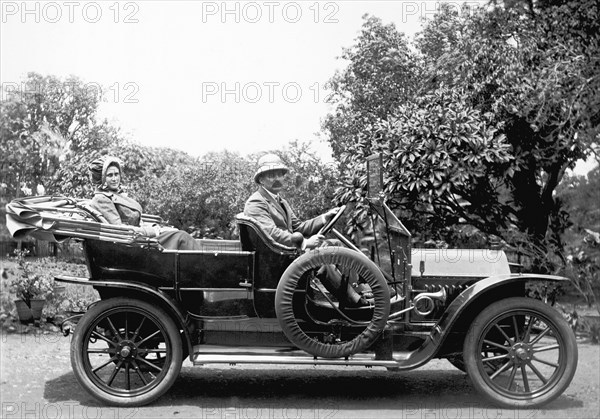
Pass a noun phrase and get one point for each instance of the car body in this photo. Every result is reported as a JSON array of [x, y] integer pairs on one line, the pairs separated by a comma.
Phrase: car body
[[254, 301]]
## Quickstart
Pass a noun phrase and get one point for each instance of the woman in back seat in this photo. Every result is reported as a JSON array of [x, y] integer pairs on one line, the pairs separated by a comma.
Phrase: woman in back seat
[[118, 208]]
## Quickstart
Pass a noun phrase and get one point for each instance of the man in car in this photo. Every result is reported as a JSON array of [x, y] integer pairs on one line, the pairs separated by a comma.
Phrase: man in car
[[277, 218]]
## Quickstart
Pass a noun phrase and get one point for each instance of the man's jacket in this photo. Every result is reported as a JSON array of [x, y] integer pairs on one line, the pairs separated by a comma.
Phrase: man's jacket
[[278, 220]]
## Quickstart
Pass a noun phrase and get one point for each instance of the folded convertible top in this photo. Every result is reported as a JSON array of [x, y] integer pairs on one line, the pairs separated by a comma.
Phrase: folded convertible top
[[56, 219]]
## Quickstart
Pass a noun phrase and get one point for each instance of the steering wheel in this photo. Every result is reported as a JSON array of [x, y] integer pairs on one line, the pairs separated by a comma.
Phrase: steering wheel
[[327, 227]]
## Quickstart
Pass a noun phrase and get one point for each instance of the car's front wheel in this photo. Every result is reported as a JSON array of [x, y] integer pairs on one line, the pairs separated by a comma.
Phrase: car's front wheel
[[520, 352], [126, 352]]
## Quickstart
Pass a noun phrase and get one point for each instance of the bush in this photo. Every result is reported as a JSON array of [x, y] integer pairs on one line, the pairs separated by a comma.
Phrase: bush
[[30, 281], [60, 298], [583, 267], [590, 326], [71, 299]]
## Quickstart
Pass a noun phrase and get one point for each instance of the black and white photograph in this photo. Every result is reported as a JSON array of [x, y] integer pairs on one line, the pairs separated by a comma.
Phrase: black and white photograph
[[300, 209]]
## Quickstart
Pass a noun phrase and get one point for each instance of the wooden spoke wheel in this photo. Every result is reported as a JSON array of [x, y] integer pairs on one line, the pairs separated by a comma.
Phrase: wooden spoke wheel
[[520, 352], [126, 352]]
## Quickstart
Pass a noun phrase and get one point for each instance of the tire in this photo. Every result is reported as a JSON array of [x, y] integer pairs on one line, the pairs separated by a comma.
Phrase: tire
[[126, 352], [344, 259], [520, 352]]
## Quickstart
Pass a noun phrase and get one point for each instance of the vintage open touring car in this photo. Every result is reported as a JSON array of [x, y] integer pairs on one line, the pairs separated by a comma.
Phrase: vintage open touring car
[[256, 301]]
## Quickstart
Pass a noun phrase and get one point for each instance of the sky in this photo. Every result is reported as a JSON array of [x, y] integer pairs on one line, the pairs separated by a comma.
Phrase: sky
[[198, 76]]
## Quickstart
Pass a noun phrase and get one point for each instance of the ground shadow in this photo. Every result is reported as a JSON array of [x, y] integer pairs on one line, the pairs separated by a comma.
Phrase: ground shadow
[[65, 388], [326, 389], [352, 388]]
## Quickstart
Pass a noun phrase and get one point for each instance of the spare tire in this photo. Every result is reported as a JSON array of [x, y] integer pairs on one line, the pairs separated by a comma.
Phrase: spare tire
[[345, 259]]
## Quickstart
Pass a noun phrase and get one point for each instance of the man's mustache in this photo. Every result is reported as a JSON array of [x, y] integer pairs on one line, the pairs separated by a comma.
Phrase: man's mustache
[[276, 184]]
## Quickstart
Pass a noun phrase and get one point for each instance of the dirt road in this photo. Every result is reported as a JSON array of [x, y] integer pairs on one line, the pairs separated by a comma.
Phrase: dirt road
[[37, 382]]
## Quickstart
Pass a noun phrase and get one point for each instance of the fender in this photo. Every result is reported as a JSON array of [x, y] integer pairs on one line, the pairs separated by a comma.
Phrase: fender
[[443, 327], [468, 296], [178, 316]]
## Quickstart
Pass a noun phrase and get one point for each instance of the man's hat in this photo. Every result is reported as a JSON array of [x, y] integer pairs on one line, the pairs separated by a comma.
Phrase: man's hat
[[267, 163]]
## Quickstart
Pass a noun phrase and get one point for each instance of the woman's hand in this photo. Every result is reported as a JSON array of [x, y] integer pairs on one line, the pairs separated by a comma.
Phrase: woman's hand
[[146, 231], [165, 229]]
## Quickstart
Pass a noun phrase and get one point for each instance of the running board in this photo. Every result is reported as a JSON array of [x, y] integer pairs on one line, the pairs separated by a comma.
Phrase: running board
[[284, 356]]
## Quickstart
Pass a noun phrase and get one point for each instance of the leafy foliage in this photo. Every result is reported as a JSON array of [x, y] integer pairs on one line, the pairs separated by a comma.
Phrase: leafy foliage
[[380, 74], [30, 282], [60, 298], [45, 125], [49, 135], [203, 195], [580, 195], [311, 183], [494, 106]]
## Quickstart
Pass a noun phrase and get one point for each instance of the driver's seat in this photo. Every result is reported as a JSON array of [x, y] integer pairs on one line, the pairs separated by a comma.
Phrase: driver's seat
[[253, 237], [271, 259]]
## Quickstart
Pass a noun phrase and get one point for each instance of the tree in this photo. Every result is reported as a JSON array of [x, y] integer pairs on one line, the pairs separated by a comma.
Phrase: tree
[[72, 177], [311, 182], [580, 195], [43, 127], [50, 135], [203, 195], [539, 82], [200, 195], [380, 74], [502, 105]]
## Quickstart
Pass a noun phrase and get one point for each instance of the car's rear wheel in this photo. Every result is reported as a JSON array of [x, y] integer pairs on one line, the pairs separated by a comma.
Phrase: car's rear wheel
[[520, 352], [336, 331], [126, 352]]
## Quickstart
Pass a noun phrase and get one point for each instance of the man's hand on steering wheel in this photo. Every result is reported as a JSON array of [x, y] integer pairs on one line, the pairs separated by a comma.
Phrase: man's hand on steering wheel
[[331, 213], [314, 241], [337, 213]]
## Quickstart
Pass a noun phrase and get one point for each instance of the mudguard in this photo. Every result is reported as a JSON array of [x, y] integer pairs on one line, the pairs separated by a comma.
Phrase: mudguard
[[444, 326], [468, 296], [168, 302]]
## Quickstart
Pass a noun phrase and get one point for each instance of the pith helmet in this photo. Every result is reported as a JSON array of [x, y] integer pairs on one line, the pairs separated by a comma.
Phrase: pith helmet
[[267, 163]]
